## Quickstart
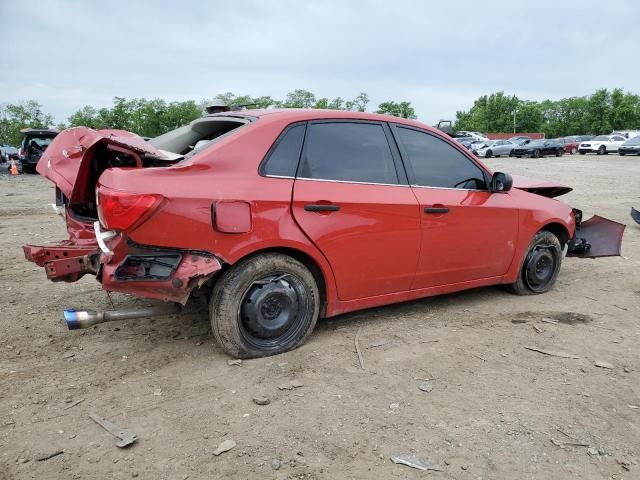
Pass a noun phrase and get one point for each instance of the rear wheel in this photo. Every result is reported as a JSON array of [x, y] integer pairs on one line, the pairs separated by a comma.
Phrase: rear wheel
[[264, 305], [489, 154], [536, 154], [559, 152], [541, 265], [602, 150]]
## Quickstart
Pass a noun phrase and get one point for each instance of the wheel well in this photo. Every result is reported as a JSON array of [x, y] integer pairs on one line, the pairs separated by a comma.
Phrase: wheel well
[[559, 231], [303, 258]]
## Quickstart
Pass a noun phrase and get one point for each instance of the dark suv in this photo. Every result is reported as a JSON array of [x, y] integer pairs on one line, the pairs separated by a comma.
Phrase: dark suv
[[34, 143]]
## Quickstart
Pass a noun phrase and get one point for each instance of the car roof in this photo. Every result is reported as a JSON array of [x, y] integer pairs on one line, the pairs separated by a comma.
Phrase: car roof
[[302, 114]]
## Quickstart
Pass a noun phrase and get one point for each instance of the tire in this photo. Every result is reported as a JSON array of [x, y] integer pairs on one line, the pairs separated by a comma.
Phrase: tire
[[574, 150], [511, 153], [488, 154], [559, 152], [602, 150], [541, 265], [264, 305], [535, 154], [583, 153], [621, 154]]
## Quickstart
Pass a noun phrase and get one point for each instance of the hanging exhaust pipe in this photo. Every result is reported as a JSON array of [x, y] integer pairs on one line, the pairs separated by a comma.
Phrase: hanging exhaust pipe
[[77, 319]]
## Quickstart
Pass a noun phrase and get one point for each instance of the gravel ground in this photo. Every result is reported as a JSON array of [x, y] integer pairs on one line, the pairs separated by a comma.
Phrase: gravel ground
[[495, 410]]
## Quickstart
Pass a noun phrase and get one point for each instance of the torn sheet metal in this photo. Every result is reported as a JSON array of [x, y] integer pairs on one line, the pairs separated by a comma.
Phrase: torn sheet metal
[[544, 188], [603, 236]]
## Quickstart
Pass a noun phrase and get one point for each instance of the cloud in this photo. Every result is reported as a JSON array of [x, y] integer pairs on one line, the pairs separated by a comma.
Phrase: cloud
[[438, 55]]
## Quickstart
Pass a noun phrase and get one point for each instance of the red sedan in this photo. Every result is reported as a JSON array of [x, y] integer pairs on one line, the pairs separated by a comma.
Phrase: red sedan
[[284, 216]]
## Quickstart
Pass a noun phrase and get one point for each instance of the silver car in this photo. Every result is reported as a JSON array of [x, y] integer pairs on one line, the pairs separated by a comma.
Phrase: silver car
[[495, 148]]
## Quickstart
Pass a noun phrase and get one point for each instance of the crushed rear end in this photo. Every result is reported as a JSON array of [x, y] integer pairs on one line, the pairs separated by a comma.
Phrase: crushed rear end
[[75, 161]]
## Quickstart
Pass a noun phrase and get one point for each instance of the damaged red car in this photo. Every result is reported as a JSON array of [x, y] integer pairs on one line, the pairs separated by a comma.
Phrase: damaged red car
[[282, 217]]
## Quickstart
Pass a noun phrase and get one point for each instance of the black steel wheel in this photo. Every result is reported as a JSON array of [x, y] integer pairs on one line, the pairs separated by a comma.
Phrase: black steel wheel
[[264, 305], [541, 265]]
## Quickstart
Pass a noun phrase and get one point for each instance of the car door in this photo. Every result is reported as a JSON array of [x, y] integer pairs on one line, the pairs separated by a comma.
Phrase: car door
[[468, 233], [352, 199], [502, 147], [615, 142]]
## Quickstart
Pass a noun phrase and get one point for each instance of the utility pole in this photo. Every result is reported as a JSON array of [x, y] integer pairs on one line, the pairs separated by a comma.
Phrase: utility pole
[[514, 120]]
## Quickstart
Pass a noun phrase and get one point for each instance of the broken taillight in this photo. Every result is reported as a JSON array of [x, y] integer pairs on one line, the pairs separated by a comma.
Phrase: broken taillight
[[122, 211]]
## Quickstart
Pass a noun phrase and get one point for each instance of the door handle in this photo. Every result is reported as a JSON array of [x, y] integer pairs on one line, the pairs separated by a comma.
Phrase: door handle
[[321, 208], [436, 210]]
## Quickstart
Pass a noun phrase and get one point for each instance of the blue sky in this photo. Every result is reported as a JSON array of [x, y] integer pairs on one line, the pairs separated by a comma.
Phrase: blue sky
[[440, 56]]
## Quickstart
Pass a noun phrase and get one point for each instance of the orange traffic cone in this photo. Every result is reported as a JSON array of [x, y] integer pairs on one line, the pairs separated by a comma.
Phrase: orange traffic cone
[[13, 170]]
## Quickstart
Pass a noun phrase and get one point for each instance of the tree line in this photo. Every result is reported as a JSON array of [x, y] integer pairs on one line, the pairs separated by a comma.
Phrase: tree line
[[599, 113], [153, 117]]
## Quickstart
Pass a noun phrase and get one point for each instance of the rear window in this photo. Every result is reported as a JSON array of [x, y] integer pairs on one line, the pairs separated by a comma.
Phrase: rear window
[[198, 135], [39, 141]]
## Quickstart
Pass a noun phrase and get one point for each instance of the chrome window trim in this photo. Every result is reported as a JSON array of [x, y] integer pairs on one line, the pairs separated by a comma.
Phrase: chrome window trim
[[373, 183], [451, 188]]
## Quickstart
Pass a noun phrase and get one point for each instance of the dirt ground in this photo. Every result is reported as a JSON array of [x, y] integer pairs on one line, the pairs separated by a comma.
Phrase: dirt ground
[[496, 410]]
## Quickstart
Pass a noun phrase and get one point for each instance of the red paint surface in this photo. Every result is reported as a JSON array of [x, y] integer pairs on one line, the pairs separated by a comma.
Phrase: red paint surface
[[379, 248]]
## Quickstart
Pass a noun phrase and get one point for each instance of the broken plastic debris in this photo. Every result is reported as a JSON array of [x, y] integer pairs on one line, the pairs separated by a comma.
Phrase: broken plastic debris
[[415, 462], [224, 447]]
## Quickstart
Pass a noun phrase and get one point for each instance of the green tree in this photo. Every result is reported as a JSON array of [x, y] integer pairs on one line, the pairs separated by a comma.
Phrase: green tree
[[397, 109], [15, 117]]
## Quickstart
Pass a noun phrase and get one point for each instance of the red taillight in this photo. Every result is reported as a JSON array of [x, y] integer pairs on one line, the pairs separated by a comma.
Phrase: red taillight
[[120, 211]]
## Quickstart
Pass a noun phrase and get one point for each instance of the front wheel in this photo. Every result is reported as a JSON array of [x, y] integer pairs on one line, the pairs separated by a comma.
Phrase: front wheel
[[536, 154], [541, 265], [602, 150], [489, 154], [559, 152], [264, 305]]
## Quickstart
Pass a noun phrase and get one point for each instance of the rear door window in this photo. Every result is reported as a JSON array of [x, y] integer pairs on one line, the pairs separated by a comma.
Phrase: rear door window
[[282, 160], [436, 163], [347, 151]]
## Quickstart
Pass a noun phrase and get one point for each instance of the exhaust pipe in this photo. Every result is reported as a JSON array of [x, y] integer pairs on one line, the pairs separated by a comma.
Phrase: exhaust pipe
[[77, 319]]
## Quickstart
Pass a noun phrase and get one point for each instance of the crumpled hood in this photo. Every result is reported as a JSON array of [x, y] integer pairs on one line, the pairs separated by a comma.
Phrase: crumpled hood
[[545, 188], [62, 159]]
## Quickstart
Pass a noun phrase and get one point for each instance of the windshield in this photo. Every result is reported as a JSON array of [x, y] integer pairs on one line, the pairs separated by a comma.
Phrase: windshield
[[602, 137], [633, 141]]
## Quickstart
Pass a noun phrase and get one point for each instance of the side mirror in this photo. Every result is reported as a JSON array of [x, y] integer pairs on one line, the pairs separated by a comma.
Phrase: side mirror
[[501, 182]]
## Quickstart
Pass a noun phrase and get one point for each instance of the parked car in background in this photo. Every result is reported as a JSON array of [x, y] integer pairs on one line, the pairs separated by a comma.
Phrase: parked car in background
[[7, 153], [466, 141], [627, 133], [539, 148], [520, 140], [570, 144], [496, 148], [476, 135], [285, 216], [630, 147], [602, 144], [34, 143], [583, 138]]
